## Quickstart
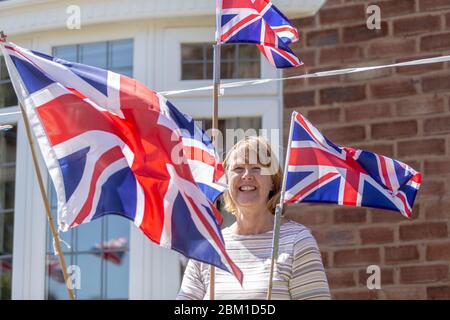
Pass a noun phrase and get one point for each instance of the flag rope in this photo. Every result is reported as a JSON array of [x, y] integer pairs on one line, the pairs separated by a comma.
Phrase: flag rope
[[328, 73]]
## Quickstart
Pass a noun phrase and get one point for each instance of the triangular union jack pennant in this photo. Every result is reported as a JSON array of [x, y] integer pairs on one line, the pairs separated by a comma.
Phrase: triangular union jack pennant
[[259, 22], [320, 171]]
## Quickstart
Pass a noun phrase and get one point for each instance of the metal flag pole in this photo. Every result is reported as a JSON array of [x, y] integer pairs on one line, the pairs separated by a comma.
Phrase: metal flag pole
[[278, 212], [56, 239], [215, 115]]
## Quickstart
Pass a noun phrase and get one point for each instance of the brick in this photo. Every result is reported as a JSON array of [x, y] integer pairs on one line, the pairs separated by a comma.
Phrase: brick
[[414, 25], [324, 115], [426, 5], [322, 38], [342, 14], [323, 81], [418, 69], [405, 293], [356, 295], [421, 147], [447, 20], [437, 167], [436, 83], [342, 94], [435, 42], [341, 279], [385, 149], [300, 99], [387, 276], [368, 75], [441, 292], [395, 8], [432, 188], [350, 215], [325, 259], [376, 235], [334, 237], [392, 89], [438, 251], [381, 216], [391, 48], [424, 273], [423, 230], [396, 255], [438, 210], [303, 23], [357, 257], [368, 111], [340, 54], [437, 125], [394, 129], [420, 106], [315, 215], [361, 33], [308, 58], [345, 135]]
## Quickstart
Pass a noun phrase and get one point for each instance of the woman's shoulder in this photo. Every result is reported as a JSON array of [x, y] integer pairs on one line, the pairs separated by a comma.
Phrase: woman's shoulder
[[296, 231]]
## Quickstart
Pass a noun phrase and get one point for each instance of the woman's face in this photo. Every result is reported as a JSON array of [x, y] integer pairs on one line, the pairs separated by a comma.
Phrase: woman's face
[[249, 184]]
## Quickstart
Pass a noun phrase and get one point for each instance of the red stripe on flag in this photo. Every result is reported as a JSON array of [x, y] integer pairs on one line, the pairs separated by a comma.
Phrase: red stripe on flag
[[103, 162], [237, 26], [385, 173], [311, 186], [213, 233]]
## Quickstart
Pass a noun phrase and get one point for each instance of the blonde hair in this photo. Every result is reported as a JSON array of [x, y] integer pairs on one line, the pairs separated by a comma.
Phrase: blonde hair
[[266, 158]]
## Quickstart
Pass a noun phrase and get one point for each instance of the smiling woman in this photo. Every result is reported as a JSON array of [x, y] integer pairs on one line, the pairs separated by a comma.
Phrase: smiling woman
[[254, 183]]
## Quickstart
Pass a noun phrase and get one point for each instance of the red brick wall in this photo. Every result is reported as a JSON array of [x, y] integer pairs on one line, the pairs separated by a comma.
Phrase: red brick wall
[[403, 113]]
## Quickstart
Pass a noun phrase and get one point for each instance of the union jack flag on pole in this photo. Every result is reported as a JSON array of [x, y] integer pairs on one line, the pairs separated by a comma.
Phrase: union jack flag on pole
[[113, 146], [320, 171], [258, 22]]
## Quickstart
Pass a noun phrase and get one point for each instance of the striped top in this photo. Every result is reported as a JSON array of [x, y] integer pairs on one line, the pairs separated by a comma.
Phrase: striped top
[[298, 274]]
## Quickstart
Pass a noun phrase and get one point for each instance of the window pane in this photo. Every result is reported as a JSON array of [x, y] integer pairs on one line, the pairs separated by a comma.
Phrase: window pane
[[3, 70], [247, 51], [192, 71], [7, 95], [195, 57], [191, 52], [91, 277], [227, 70], [7, 185], [249, 69], [228, 52], [94, 54], [121, 57], [68, 53]]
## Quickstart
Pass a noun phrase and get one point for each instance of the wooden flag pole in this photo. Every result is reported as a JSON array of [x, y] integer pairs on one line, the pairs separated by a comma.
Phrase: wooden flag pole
[[62, 261], [278, 213], [215, 127], [215, 116]]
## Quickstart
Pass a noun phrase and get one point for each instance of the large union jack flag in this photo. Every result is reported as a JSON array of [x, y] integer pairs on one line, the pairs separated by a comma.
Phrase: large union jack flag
[[113, 146], [259, 22], [320, 171]]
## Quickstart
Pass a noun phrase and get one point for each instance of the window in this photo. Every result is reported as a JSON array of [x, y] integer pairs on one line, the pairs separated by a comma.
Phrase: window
[[7, 186], [7, 96], [100, 248], [237, 61]]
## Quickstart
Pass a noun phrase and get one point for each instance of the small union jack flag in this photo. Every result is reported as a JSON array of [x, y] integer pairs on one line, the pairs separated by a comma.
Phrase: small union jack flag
[[320, 171], [261, 23], [112, 250]]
